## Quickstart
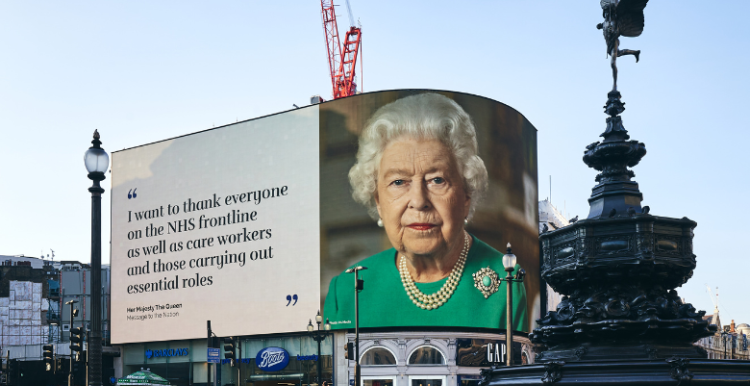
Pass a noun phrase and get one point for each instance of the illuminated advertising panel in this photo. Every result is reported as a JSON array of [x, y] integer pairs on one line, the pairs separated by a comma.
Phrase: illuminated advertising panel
[[219, 225], [252, 225]]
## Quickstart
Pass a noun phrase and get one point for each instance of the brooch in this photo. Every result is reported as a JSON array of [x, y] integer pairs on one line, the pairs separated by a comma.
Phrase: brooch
[[487, 281]]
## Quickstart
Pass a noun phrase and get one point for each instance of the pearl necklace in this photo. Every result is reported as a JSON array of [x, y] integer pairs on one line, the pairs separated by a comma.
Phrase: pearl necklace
[[433, 301]]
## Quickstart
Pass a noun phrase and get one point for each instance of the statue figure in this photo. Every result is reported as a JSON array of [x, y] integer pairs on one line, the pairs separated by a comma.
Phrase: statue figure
[[621, 18]]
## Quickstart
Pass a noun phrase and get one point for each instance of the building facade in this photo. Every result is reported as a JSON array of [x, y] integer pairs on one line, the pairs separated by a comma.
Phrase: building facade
[[347, 234], [426, 358], [74, 280], [550, 218], [184, 363], [729, 342], [419, 358], [33, 313]]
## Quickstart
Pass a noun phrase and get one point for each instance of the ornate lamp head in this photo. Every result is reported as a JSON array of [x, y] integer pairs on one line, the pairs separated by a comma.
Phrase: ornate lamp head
[[96, 159]]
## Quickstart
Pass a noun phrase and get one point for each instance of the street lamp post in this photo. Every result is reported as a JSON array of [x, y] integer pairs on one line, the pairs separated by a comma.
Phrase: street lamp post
[[358, 286], [97, 162], [509, 262], [725, 337], [319, 336]]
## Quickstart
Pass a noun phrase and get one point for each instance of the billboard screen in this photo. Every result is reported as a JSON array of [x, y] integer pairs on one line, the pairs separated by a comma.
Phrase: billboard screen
[[252, 225]]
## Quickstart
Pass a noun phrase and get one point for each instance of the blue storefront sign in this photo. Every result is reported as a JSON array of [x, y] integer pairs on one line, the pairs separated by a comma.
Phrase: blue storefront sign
[[272, 359], [213, 355], [167, 352]]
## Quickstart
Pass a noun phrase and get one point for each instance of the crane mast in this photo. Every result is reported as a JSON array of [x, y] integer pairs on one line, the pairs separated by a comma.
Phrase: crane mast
[[715, 301], [342, 60]]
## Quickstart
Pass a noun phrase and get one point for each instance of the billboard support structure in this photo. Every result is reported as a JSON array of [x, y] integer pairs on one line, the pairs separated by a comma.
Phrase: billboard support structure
[[358, 286]]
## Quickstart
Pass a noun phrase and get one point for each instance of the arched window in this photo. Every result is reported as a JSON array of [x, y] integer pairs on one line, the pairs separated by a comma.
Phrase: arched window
[[426, 355], [378, 356]]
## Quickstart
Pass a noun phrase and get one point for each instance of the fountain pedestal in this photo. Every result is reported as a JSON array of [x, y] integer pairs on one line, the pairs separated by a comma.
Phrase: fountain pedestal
[[620, 321]]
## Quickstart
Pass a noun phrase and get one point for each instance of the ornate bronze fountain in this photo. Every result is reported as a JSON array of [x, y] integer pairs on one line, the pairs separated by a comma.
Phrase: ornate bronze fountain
[[620, 320]]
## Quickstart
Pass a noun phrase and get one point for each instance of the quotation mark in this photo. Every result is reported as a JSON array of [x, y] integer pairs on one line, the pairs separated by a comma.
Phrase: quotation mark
[[289, 299], [132, 195]]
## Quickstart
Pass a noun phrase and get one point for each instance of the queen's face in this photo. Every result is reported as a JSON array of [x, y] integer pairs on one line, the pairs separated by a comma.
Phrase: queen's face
[[421, 198]]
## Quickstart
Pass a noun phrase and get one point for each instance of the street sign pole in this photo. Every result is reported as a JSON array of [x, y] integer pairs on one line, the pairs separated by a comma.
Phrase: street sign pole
[[208, 358]]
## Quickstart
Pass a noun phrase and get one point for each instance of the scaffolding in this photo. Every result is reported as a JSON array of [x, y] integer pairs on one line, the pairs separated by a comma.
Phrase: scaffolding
[[53, 311], [21, 315]]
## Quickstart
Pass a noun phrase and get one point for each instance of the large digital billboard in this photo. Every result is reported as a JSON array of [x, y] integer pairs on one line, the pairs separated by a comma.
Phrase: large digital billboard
[[253, 225]]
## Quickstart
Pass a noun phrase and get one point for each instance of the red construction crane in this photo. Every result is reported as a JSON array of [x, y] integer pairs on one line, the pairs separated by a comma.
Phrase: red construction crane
[[342, 62]]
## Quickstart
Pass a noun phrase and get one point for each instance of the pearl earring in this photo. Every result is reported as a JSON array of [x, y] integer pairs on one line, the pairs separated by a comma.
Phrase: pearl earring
[[466, 222], [380, 222]]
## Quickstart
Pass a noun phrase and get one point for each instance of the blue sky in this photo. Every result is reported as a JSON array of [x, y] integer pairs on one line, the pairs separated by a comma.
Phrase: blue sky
[[141, 71]]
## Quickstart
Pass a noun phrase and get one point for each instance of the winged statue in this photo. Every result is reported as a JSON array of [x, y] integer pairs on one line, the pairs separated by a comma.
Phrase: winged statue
[[621, 18]]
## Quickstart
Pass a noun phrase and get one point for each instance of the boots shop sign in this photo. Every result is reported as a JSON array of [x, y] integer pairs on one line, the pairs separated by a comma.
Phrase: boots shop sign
[[272, 359]]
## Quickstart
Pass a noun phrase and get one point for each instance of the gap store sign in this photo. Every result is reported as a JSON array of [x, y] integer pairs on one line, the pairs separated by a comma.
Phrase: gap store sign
[[167, 352]]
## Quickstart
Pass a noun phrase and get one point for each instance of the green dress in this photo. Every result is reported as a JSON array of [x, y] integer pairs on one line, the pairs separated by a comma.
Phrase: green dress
[[384, 303]]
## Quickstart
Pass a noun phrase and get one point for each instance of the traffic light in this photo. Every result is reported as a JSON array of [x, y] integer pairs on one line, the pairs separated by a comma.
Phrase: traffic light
[[349, 351], [14, 370], [79, 369], [229, 348], [76, 342], [49, 357]]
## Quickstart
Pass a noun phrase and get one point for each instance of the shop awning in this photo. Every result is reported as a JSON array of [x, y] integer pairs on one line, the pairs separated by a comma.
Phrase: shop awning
[[275, 377], [142, 378]]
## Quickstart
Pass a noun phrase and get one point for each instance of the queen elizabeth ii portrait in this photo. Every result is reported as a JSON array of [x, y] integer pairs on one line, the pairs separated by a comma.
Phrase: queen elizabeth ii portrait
[[420, 177]]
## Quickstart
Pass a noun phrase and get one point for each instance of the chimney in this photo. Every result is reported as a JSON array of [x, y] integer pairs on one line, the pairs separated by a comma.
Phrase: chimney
[[731, 329]]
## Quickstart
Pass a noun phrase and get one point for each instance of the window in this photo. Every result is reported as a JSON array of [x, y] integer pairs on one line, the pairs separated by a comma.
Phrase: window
[[377, 382], [378, 356], [426, 382], [426, 356]]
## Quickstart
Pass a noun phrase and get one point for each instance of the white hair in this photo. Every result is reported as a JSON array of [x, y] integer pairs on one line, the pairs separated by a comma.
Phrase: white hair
[[422, 116]]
